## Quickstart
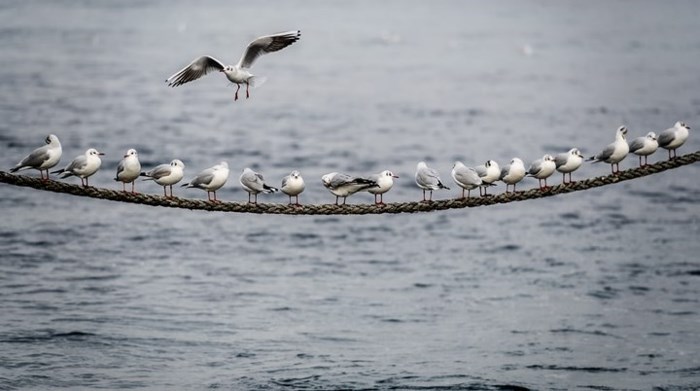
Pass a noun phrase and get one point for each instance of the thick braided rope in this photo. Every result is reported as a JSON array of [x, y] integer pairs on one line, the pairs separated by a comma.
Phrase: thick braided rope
[[349, 209]]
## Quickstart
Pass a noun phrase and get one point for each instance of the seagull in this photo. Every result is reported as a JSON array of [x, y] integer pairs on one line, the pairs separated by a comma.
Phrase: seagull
[[254, 183], [166, 175], [211, 180], [385, 181], [512, 173], [128, 169], [465, 177], [673, 138], [542, 169], [42, 158], [293, 185], [568, 162], [82, 166], [489, 173], [615, 152], [644, 146], [343, 185], [239, 73], [428, 179]]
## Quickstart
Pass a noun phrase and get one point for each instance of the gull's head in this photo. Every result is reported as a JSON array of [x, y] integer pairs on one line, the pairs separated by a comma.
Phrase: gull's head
[[548, 158], [177, 163], [622, 132], [681, 124], [93, 152], [223, 165], [421, 165], [651, 136], [388, 174], [52, 140], [516, 160], [575, 152], [295, 174], [131, 152], [326, 179]]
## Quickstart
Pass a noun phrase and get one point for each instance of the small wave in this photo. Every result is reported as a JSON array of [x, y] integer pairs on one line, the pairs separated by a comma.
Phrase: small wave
[[576, 369]]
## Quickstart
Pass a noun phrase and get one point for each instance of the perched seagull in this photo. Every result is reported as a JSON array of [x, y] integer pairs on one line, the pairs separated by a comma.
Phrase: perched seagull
[[343, 185], [128, 169], [568, 162], [615, 152], [42, 158], [489, 173], [211, 180], [254, 183], [673, 138], [428, 179], [465, 177], [239, 73], [82, 166], [542, 169], [644, 146], [293, 185], [512, 173], [385, 181], [166, 175]]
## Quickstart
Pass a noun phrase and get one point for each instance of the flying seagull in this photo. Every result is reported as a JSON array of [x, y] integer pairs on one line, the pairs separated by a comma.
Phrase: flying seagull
[[239, 73]]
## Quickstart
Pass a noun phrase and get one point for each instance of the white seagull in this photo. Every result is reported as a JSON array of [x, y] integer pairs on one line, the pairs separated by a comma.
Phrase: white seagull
[[644, 146], [42, 158], [83, 166], [210, 179], [166, 175], [673, 138], [385, 181], [428, 179], [489, 173], [292, 185], [568, 162], [614, 153], [254, 183], [465, 177], [239, 73], [512, 173], [542, 169], [128, 169], [343, 185]]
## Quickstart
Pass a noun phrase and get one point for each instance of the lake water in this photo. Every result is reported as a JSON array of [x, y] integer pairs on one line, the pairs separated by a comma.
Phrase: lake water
[[592, 290]]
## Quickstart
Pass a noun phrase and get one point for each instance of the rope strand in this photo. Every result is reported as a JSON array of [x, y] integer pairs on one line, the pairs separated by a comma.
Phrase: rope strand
[[350, 209]]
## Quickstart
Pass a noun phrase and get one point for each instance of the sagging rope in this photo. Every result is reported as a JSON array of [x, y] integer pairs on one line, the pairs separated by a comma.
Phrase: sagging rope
[[348, 209]]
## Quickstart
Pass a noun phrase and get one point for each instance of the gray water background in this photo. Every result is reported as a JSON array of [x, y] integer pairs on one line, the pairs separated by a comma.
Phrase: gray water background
[[592, 290]]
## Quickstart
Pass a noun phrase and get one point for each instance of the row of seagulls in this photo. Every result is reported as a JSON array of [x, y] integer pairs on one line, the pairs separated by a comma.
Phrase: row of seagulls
[[240, 73], [343, 185]]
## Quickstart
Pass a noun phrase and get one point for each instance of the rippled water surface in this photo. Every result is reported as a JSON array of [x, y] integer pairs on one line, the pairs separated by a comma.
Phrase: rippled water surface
[[592, 290]]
